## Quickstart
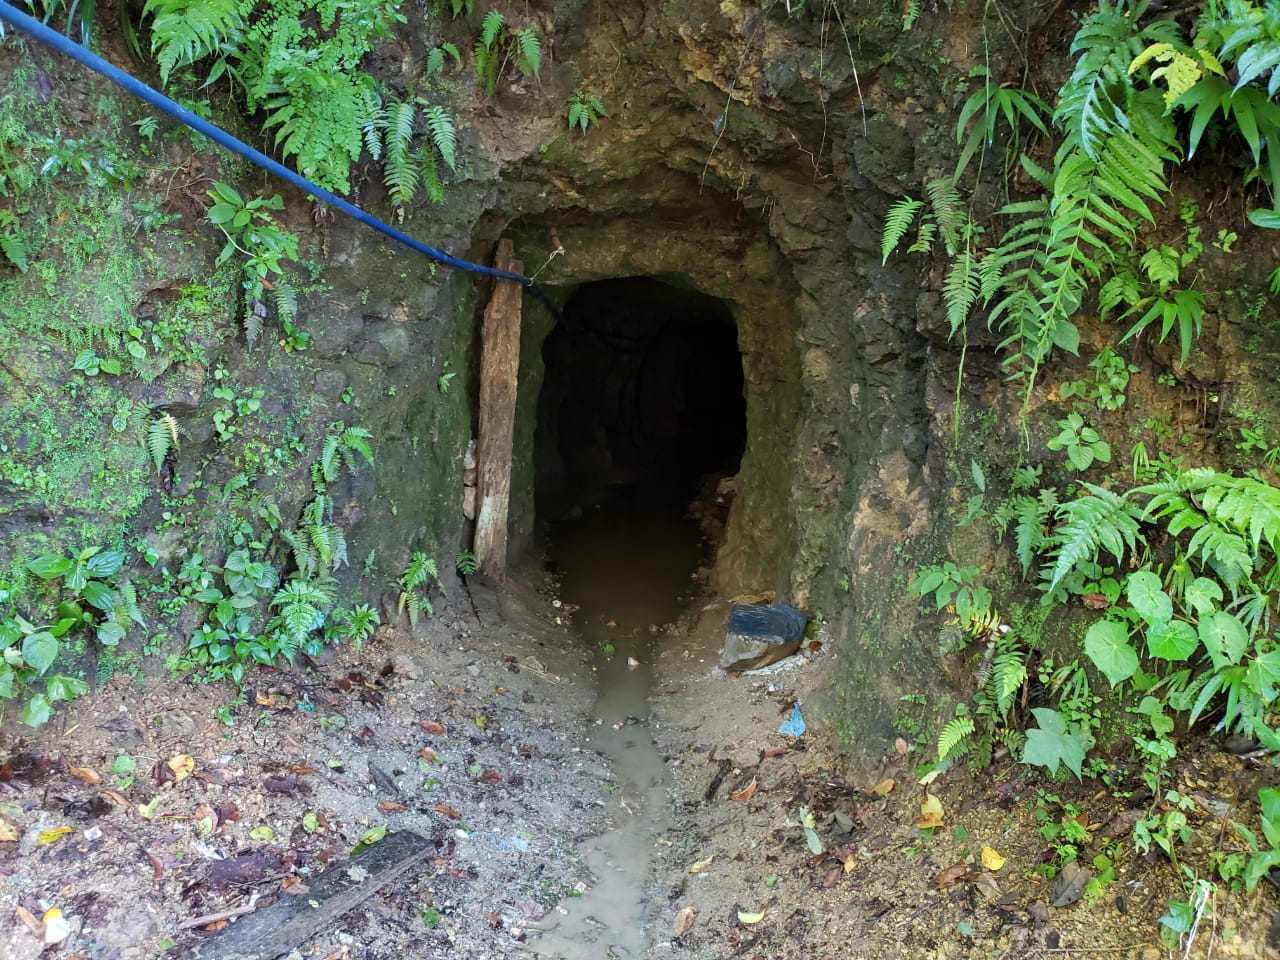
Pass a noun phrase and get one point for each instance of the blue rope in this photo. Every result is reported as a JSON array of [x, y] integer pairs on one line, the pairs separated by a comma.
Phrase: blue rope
[[62, 44]]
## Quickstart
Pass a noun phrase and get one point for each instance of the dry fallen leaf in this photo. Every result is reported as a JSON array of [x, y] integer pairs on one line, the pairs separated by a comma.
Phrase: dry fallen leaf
[[775, 751], [181, 765], [702, 864], [1096, 600], [684, 920], [8, 832], [951, 876], [30, 922], [86, 774], [747, 792], [157, 868], [930, 812], [116, 797], [850, 863], [985, 884], [884, 787], [52, 835], [991, 859], [447, 810], [390, 806], [901, 746], [431, 727], [427, 754], [1071, 883]]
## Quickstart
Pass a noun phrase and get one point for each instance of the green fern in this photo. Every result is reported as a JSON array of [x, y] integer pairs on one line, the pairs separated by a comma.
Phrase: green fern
[[340, 448], [1101, 520], [186, 31], [896, 224], [162, 438], [492, 27], [529, 55], [418, 576], [954, 741], [1008, 674], [443, 134], [300, 610]]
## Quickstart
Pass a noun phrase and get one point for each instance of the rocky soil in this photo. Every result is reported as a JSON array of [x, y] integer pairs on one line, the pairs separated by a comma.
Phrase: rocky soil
[[139, 811]]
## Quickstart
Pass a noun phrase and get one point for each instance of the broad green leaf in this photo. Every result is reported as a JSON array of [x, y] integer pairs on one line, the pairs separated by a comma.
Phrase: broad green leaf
[[39, 650], [99, 595], [1148, 597], [106, 563], [37, 711], [1175, 640], [1053, 743], [1203, 595], [1269, 219], [110, 633], [49, 566], [1225, 638], [6, 681], [61, 687], [1263, 674], [1269, 799], [1107, 645]]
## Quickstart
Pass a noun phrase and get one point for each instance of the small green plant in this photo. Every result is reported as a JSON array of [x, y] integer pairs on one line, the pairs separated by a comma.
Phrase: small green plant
[[266, 249], [466, 563], [1081, 441], [585, 108], [497, 46], [415, 584]]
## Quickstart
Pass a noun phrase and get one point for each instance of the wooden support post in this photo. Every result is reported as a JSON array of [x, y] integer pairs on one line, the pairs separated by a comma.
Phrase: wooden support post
[[499, 370]]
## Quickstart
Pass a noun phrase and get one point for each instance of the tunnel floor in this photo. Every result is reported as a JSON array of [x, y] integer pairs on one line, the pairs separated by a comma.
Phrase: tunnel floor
[[641, 410]]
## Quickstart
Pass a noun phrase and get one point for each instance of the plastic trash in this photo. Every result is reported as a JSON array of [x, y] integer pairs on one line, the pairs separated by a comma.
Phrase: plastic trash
[[774, 623], [793, 726]]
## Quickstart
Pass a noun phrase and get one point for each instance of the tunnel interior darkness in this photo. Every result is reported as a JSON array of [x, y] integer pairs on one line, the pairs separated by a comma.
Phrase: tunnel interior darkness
[[643, 389]]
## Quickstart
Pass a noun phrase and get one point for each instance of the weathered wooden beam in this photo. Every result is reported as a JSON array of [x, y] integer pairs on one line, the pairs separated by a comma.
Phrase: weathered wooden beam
[[499, 371], [291, 921]]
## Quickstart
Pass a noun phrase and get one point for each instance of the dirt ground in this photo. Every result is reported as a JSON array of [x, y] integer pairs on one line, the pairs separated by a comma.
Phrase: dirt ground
[[137, 811]]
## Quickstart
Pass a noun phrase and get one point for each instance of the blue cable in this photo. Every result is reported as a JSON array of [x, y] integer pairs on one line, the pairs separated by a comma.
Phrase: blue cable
[[75, 51]]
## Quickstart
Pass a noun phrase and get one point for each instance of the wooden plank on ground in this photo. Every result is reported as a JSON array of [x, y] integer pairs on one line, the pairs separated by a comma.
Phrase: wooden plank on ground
[[292, 920], [499, 371]]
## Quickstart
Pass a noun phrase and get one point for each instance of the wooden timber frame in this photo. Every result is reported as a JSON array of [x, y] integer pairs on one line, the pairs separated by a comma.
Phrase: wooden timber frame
[[499, 373]]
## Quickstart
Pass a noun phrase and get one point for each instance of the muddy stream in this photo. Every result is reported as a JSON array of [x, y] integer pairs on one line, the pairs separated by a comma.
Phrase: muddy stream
[[626, 566]]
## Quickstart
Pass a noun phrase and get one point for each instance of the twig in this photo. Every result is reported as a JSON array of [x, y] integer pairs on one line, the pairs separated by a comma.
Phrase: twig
[[209, 918], [1132, 946]]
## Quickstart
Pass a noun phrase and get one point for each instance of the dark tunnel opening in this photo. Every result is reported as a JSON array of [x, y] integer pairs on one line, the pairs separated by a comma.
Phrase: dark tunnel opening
[[643, 396]]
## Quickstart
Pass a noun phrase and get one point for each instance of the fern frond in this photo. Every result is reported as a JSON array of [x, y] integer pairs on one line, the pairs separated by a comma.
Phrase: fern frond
[[184, 31], [951, 742], [1008, 674], [490, 27], [443, 134], [961, 288], [357, 439], [948, 210], [530, 58], [305, 557], [329, 457], [1102, 520], [254, 314], [896, 223], [162, 437], [285, 298], [1028, 532]]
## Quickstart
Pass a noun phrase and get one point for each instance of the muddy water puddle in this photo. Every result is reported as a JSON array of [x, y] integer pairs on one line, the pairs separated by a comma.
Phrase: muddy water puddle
[[626, 566]]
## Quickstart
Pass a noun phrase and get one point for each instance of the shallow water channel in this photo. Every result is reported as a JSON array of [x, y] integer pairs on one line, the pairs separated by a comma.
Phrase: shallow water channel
[[626, 565]]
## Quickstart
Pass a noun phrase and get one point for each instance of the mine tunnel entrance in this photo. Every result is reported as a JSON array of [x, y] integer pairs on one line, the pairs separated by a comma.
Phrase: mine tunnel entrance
[[641, 412], [643, 395]]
